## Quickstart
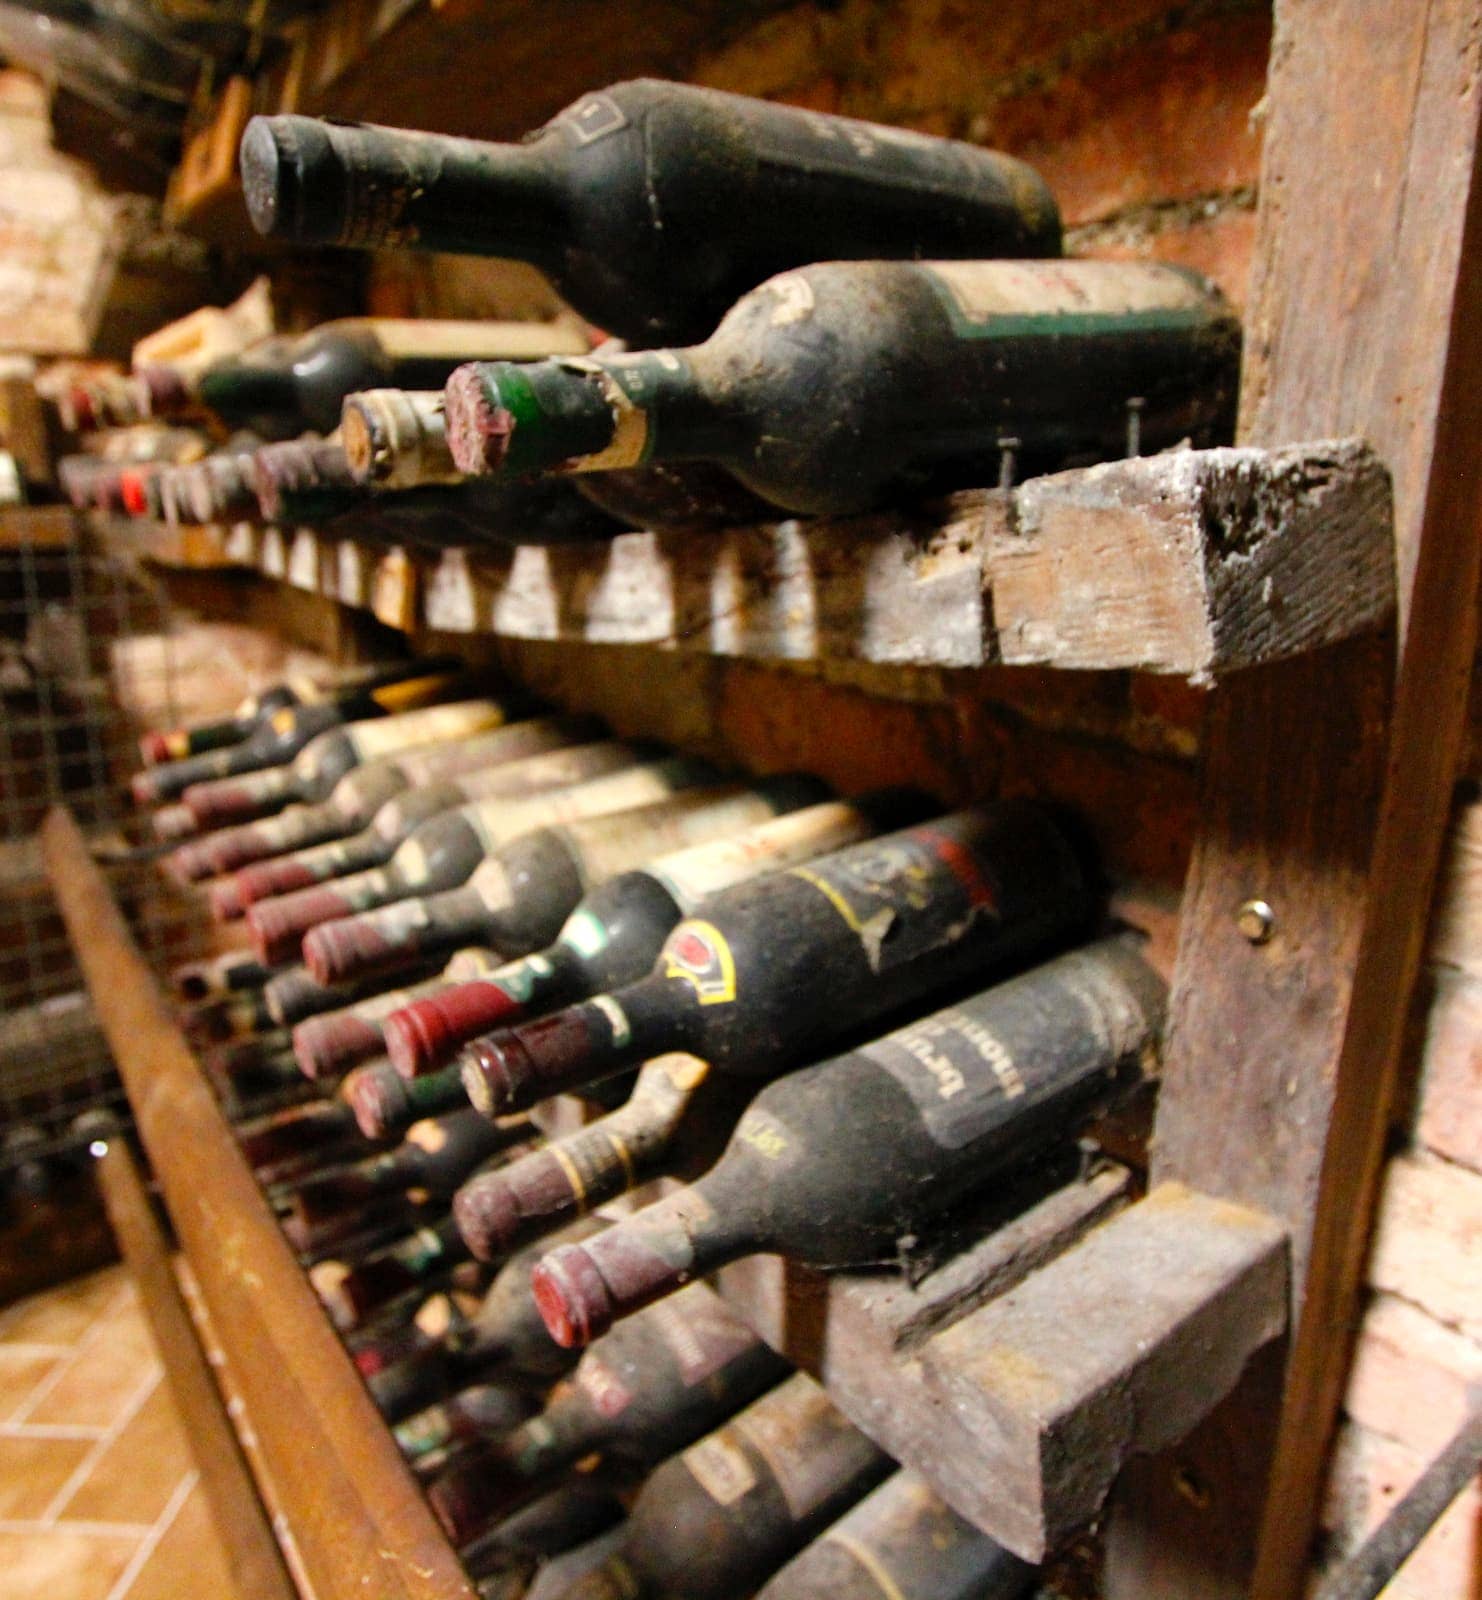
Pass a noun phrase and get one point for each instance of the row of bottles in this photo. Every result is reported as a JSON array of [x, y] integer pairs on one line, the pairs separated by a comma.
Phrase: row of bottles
[[745, 1009], [789, 313]]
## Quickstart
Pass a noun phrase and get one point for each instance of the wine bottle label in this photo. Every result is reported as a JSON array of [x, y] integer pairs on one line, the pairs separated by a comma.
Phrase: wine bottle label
[[702, 1334], [412, 861], [697, 954], [585, 934], [720, 1468], [490, 882], [953, 1098], [428, 1135], [608, 1393], [474, 962], [1077, 1014], [435, 725], [593, 117], [693, 875], [981, 297], [587, 1159], [517, 979], [806, 1469], [904, 896], [617, 1018], [629, 443]]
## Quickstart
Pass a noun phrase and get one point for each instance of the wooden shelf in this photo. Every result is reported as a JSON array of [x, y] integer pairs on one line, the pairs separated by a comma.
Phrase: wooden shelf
[[1195, 563]]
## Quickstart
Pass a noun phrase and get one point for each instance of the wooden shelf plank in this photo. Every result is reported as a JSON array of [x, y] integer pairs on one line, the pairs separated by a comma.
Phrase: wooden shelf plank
[[358, 1520], [1194, 563], [1023, 1429]]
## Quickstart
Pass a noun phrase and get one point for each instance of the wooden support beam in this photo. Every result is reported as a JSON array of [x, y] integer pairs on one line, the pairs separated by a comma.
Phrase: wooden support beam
[[1327, 782], [252, 1554], [1020, 1376], [362, 1526]]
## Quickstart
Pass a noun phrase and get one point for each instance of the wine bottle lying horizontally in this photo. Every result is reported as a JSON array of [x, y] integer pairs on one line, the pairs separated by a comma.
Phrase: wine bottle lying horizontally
[[444, 851], [285, 386], [396, 819], [651, 206], [334, 1041], [902, 1542], [836, 387], [943, 1106], [175, 744], [280, 733], [722, 1516], [522, 891], [772, 970], [654, 1386], [616, 932], [312, 774], [354, 800]]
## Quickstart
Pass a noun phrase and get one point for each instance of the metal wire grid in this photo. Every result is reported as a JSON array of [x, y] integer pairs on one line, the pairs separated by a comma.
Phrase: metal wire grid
[[73, 695]]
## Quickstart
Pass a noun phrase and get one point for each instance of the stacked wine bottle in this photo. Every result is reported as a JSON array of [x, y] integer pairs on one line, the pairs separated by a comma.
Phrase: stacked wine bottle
[[457, 906], [773, 313]]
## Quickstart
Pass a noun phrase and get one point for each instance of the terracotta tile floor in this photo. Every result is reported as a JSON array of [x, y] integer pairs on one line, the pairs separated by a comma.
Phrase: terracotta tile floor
[[98, 1493]]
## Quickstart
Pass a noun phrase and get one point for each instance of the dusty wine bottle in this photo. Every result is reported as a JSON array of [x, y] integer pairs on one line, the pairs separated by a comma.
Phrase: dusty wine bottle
[[313, 773], [521, 893], [395, 438], [478, 1412], [721, 1517], [617, 931], [431, 793], [632, 1400], [902, 1542], [289, 386], [216, 978], [577, 1512], [650, 205], [316, 1126], [352, 1233], [836, 387], [277, 738], [776, 968], [675, 1122], [943, 1106], [386, 1104], [293, 994], [437, 1154], [444, 851], [355, 799], [501, 1337], [335, 1040], [382, 1274], [175, 744]]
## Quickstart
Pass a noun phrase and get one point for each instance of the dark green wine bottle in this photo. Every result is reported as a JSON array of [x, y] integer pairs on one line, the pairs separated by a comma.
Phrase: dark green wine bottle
[[837, 1164], [651, 206], [836, 387]]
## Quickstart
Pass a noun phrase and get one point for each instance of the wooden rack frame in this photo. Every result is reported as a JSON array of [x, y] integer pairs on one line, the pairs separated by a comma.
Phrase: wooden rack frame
[[1326, 777]]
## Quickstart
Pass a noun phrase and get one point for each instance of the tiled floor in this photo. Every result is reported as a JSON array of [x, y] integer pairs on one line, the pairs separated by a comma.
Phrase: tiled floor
[[98, 1493]]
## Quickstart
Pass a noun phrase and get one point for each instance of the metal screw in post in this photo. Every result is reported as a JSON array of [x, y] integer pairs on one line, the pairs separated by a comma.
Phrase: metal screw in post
[[1135, 408], [1256, 920], [1007, 460]]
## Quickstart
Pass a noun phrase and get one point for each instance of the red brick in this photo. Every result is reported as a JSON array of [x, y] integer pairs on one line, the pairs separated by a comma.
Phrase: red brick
[[1167, 121], [1410, 1376], [1448, 1117], [1220, 246]]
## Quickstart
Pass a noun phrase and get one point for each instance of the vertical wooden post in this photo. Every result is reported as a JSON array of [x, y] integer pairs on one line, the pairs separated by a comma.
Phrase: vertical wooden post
[[1366, 318]]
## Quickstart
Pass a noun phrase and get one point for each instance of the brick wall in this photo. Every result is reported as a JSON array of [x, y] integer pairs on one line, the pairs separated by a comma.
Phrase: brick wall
[[1420, 1341]]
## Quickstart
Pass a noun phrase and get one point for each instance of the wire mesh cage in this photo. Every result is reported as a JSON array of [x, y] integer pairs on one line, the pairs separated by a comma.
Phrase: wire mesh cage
[[87, 658]]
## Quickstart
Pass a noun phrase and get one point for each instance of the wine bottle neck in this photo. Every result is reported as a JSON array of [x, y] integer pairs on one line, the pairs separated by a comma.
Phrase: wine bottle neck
[[583, 414], [580, 1046], [582, 1289]]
